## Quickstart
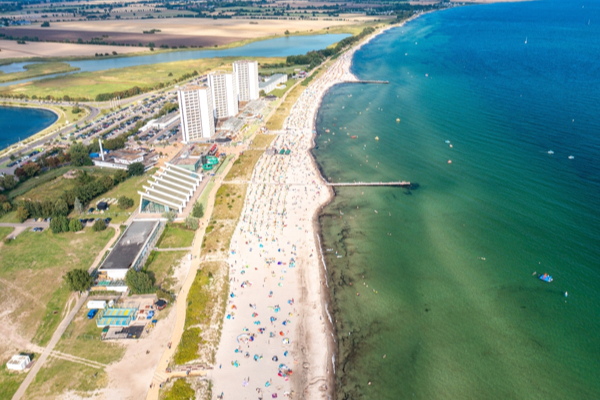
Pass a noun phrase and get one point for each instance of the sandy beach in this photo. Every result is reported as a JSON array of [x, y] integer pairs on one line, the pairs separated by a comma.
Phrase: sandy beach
[[277, 339]]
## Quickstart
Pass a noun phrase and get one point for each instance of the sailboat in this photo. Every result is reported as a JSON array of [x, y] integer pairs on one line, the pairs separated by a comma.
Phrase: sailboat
[[525, 39]]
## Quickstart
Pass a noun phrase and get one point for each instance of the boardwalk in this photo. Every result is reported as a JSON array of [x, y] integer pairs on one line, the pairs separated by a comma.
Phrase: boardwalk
[[375, 82], [399, 183]]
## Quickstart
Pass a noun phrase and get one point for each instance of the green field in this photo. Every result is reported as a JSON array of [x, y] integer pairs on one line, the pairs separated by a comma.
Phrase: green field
[[280, 92], [31, 277], [176, 235], [161, 264], [90, 84], [9, 382], [82, 339], [5, 231], [59, 376], [282, 112], [242, 167], [38, 69]]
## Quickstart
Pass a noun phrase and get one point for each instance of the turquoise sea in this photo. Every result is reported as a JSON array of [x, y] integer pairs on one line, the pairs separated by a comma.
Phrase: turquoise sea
[[17, 122], [452, 301]]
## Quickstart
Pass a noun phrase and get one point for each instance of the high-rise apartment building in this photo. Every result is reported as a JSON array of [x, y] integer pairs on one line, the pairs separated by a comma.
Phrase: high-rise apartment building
[[197, 116], [224, 93], [246, 75]]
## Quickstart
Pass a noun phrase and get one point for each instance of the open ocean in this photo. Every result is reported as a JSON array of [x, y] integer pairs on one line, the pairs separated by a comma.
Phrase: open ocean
[[451, 300]]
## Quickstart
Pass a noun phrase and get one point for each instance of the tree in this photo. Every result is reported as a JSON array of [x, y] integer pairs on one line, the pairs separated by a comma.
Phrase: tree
[[76, 110], [77, 206], [45, 24], [99, 225], [60, 208], [287, 32], [75, 225], [198, 210], [170, 215], [107, 183], [120, 176], [31, 169], [79, 155], [139, 282], [191, 223], [125, 203], [59, 224], [8, 182], [22, 214], [78, 280], [135, 169]]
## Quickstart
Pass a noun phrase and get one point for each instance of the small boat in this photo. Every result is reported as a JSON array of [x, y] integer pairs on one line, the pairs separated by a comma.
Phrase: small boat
[[571, 157], [353, 137], [326, 130], [525, 39], [376, 212], [447, 142], [546, 278], [550, 152]]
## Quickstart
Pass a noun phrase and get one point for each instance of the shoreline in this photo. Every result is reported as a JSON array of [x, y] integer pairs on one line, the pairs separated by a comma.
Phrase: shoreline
[[326, 299], [280, 222]]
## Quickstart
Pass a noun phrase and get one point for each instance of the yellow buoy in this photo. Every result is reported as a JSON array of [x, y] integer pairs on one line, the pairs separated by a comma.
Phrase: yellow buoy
[[397, 119], [376, 137]]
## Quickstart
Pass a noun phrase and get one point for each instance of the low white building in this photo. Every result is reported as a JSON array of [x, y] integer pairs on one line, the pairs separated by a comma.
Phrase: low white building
[[272, 82], [162, 122], [18, 362]]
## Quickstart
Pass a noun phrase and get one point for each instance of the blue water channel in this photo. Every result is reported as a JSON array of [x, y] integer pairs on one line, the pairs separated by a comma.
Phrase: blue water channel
[[280, 47]]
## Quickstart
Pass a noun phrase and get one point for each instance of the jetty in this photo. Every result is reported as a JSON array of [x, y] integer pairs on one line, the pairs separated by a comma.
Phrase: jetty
[[399, 183], [375, 82]]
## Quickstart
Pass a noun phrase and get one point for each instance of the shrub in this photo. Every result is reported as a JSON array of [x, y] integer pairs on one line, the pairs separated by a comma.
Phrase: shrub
[[125, 202], [99, 225], [78, 280], [135, 169], [191, 223], [198, 210], [59, 224], [181, 390], [170, 215], [22, 214], [75, 225], [139, 282], [188, 347]]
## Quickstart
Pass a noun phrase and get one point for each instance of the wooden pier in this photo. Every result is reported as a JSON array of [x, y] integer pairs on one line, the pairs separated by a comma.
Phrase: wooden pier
[[375, 82], [399, 183]]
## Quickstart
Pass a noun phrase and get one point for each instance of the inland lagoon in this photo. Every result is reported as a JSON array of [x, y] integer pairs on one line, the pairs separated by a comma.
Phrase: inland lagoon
[[492, 113]]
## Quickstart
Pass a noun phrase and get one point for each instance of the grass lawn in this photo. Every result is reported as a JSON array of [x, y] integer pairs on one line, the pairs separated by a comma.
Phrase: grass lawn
[[262, 141], [9, 382], [5, 231], [160, 265], [59, 376], [37, 69], [128, 188], [31, 283], [282, 112], [176, 235], [280, 92], [242, 167], [51, 185], [90, 84], [82, 339], [229, 202]]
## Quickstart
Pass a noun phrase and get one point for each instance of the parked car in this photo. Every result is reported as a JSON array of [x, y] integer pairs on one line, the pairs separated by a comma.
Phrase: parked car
[[92, 313], [38, 229]]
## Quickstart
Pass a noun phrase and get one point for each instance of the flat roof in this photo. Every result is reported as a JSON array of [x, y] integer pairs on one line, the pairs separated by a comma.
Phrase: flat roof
[[125, 252], [271, 79]]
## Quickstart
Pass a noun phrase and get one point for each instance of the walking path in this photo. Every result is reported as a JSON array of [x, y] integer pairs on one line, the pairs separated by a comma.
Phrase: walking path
[[49, 349], [160, 374], [175, 249]]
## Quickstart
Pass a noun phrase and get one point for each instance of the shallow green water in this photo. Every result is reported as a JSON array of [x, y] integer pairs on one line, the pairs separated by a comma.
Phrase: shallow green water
[[457, 311]]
